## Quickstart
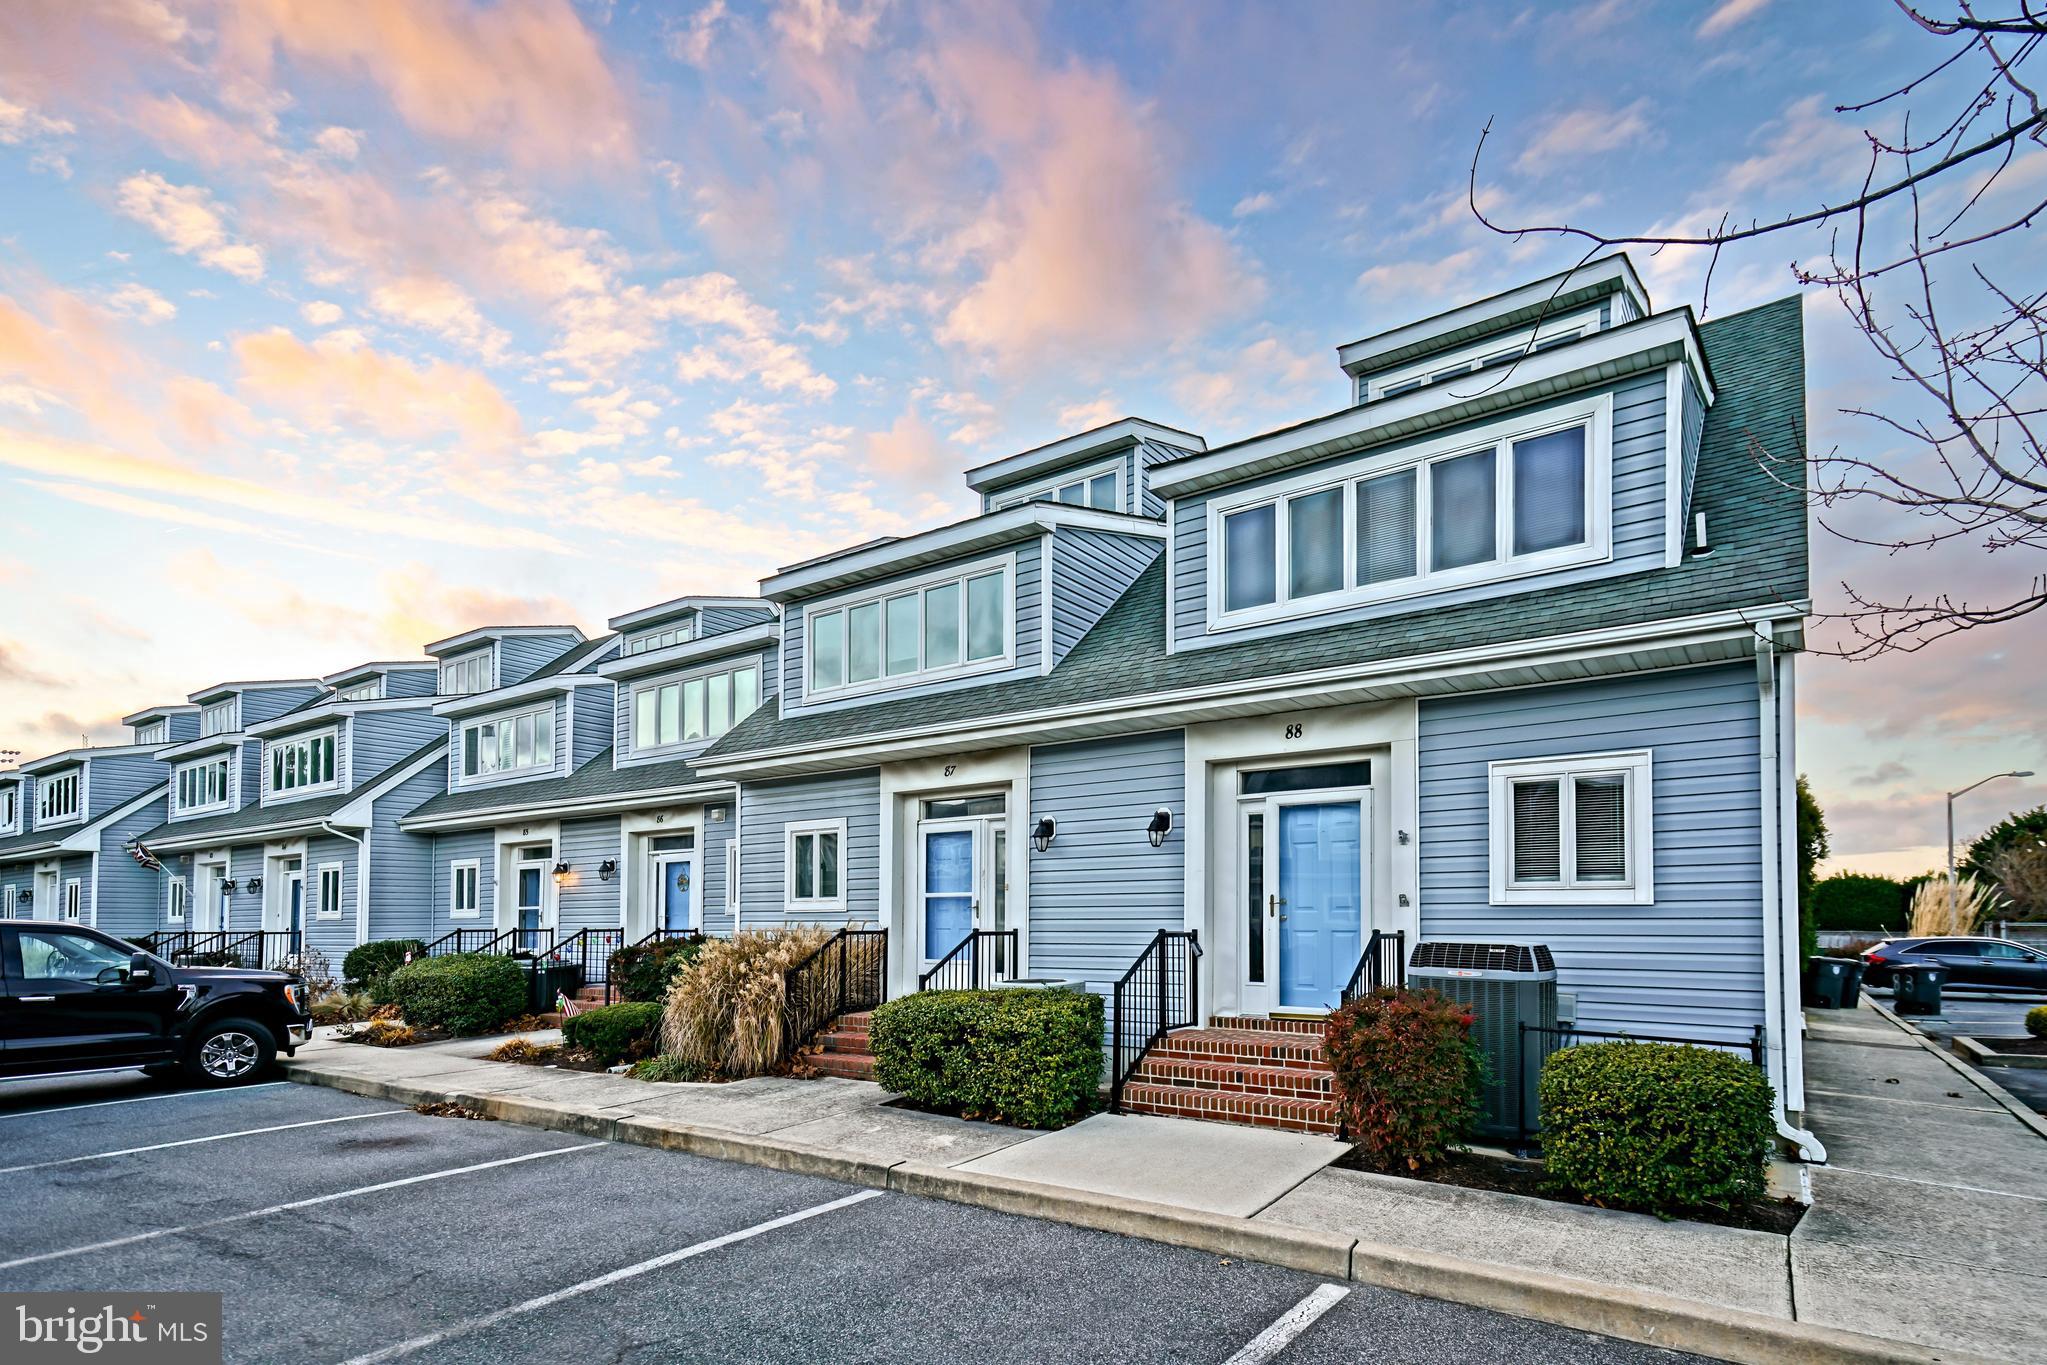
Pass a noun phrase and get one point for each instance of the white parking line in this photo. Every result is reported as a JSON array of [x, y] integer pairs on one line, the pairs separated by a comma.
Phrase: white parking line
[[275, 1209], [1291, 1324], [138, 1099], [478, 1323], [194, 1142]]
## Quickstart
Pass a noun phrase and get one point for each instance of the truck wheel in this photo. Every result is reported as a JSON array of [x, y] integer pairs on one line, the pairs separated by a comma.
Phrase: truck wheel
[[230, 1052]]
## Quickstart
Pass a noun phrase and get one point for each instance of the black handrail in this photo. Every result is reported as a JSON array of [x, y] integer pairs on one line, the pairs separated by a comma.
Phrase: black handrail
[[1383, 963], [967, 968], [476, 940], [1160, 992], [846, 973]]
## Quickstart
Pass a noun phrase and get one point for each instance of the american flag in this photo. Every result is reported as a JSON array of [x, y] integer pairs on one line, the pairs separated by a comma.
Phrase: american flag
[[142, 855]]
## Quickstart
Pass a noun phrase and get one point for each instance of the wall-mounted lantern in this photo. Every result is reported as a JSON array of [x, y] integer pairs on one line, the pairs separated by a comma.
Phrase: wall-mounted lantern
[[562, 872], [607, 869], [255, 885], [230, 886], [1161, 825], [1043, 833]]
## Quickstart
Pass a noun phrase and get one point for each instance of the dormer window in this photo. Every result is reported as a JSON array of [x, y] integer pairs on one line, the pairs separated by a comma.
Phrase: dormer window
[[509, 744], [679, 710], [221, 718], [301, 763], [680, 633], [1514, 498], [57, 797], [10, 816], [1495, 350], [152, 733], [466, 674], [370, 690], [1100, 487], [201, 785], [940, 626]]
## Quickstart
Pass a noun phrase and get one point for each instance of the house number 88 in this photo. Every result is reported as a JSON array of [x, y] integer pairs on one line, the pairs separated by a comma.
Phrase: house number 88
[[1293, 732]]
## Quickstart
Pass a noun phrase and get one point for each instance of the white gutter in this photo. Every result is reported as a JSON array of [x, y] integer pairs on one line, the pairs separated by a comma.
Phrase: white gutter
[[362, 879], [1780, 998], [552, 810]]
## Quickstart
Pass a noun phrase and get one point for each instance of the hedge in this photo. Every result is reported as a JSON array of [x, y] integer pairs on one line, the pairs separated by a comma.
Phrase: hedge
[[616, 1033], [368, 967], [1661, 1127], [643, 971], [1860, 901], [1030, 1057], [1407, 1074], [461, 993]]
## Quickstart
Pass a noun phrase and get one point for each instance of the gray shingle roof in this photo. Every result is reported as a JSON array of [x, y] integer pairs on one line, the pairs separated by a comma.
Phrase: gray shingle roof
[[595, 780], [1756, 515], [253, 817], [20, 845]]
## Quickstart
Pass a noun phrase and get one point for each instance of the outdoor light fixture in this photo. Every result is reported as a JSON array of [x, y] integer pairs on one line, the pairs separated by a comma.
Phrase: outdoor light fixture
[[607, 869], [255, 885], [230, 886], [27, 894], [1161, 825], [1042, 834], [561, 873]]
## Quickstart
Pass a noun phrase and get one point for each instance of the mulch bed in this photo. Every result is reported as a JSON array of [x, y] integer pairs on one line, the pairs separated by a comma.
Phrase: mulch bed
[[2017, 1047], [448, 1109], [1471, 1171]]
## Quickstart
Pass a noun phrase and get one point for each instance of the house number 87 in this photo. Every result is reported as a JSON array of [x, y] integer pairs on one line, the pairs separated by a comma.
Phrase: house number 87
[[1293, 732]]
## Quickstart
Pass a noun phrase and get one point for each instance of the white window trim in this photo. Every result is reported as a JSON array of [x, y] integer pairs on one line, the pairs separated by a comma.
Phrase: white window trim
[[372, 690], [684, 631], [227, 798], [1085, 475], [1640, 888], [654, 684], [509, 774], [490, 671], [1372, 387], [474, 867], [818, 905], [1595, 414], [321, 909], [152, 733], [334, 783], [71, 907], [76, 814], [232, 708], [10, 797], [896, 588], [177, 897], [732, 876]]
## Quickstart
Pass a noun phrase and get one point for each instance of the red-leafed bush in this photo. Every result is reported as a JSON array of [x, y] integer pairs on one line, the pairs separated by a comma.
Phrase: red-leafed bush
[[1407, 1075]]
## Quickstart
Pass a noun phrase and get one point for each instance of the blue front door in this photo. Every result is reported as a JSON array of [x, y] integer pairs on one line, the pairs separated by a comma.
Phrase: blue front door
[[948, 889], [1321, 910], [676, 875], [297, 923], [529, 908]]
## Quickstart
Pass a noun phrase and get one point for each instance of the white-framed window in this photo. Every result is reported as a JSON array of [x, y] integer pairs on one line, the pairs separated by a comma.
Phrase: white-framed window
[[222, 717], [74, 898], [10, 902], [301, 762], [464, 877], [370, 690], [1492, 351], [57, 798], [1099, 486], [680, 633], [201, 785], [177, 895], [1574, 830], [327, 892], [678, 710], [467, 673], [814, 866], [10, 809], [950, 624], [1518, 497], [152, 733], [509, 744]]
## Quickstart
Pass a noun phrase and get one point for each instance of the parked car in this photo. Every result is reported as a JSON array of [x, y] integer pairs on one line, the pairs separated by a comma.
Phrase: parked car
[[1970, 961], [75, 999]]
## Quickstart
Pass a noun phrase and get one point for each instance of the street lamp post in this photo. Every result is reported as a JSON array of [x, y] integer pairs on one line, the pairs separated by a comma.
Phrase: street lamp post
[[1951, 815]]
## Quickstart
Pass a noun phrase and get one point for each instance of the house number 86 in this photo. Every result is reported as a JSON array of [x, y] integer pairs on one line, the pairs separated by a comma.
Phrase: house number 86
[[1293, 732]]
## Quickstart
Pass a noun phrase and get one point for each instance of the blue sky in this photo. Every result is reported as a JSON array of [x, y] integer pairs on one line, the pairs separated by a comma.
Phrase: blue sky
[[326, 330]]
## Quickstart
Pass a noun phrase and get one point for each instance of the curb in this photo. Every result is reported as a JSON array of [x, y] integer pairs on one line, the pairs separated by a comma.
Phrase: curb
[[1976, 1052], [1610, 1310], [2005, 1098]]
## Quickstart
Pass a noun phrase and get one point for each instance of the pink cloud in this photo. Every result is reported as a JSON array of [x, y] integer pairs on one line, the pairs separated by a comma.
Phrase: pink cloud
[[331, 382]]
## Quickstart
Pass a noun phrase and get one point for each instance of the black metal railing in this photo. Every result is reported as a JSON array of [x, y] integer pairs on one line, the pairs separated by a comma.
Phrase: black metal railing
[[612, 970], [847, 973], [478, 940], [223, 948], [1383, 963], [589, 951], [1160, 992], [1548, 1040], [982, 958]]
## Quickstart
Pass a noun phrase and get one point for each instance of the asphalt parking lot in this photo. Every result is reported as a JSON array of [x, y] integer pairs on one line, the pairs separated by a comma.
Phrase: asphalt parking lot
[[346, 1229], [1984, 1014]]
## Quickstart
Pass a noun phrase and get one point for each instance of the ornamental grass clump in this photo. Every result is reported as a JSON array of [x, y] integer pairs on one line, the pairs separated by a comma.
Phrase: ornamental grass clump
[[1407, 1075], [1941, 907], [725, 1010]]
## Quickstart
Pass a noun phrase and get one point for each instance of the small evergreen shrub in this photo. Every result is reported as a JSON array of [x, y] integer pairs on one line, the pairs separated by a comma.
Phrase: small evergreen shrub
[[1661, 1127], [460, 993], [615, 1033], [1407, 1075], [644, 970], [2036, 1021], [368, 967], [666, 1068], [1023, 1056]]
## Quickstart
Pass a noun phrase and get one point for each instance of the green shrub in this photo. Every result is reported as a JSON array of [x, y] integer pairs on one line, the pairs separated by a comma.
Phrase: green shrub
[[725, 1010], [1407, 1075], [368, 967], [644, 970], [666, 1068], [461, 993], [1661, 1127], [615, 1033], [2036, 1021], [1026, 1056], [1861, 902]]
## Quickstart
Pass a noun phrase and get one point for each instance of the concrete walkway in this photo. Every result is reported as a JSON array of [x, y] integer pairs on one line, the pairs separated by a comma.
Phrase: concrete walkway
[[1868, 1275]]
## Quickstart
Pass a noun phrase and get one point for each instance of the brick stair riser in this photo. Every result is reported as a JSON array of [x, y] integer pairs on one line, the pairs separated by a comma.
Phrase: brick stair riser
[[1258, 1023], [1247, 1049], [1256, 1111], [841, 1064], [1237, 1080], [856, 1044]]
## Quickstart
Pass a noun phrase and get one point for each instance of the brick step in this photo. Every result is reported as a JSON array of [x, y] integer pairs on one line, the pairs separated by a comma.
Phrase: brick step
[[1235, 1078], [854, 1066], [1255, 1111], [853, 1042], [861, 1020], [1260, 1023], [1260, 1047]]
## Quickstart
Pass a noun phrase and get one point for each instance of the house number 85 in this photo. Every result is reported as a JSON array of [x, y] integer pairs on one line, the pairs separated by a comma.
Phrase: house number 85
[[1293, 732]]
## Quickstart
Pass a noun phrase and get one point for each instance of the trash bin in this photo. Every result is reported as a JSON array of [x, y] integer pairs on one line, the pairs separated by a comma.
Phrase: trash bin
[[1833, 983], [551, 979], [1916, 990]]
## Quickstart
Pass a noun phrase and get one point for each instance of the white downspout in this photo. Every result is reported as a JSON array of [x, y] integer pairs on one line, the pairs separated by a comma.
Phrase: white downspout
[[362, 880], [1780, 997]]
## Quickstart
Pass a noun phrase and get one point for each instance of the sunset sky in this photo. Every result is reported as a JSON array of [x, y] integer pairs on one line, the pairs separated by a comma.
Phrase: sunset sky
[[328, 329]]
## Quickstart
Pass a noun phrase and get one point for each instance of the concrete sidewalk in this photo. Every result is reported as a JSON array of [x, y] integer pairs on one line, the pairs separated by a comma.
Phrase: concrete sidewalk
[[1271, 1197]]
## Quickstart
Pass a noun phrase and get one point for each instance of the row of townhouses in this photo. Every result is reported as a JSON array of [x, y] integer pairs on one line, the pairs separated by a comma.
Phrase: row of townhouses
[[1502, 650]]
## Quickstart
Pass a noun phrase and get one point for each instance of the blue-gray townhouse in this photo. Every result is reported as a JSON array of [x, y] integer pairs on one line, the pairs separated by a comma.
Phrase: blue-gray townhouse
[[69, 820], [1502, 650]]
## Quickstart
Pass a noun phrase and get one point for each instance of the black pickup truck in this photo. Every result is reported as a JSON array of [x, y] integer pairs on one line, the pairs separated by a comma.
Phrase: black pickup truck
[[75, 999]]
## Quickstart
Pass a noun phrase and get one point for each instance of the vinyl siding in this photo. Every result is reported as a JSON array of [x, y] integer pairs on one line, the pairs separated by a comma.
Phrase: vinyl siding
[[1101, 891], [1025, 604], [270, 702], [714, 910], [480, 844], [76, 866], [1090, 570], [1692, 433], [182, 726], [766, 810], [588, 901], [718, 620], [1691, 964], [623, 755], [592, 732], [377, 739], [520, 655], [412, 682], [131, 897], [402, 864], [331, 937], [1638, 475], [114, 781]]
